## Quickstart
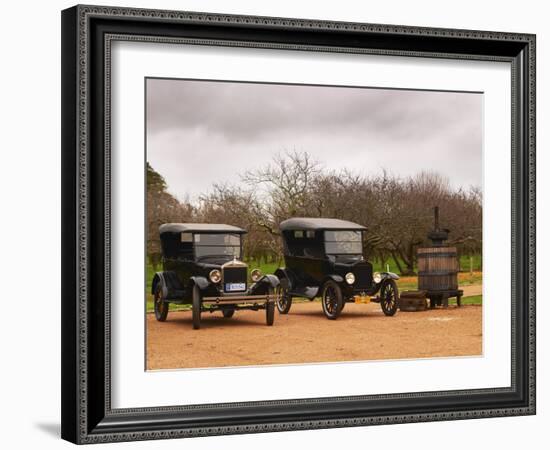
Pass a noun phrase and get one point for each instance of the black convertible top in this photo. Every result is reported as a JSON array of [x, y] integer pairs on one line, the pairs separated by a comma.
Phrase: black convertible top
[[311, 223], [199, 228]]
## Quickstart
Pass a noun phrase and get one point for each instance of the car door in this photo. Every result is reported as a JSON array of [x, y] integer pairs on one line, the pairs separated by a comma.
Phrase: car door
[[308, 262]]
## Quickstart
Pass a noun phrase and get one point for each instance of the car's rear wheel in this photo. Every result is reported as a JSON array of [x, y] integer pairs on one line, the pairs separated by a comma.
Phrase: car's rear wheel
[[197, 304], [389, 297], [160, 306], [270, 309], [228, 313], [332, 300], [284, 300]]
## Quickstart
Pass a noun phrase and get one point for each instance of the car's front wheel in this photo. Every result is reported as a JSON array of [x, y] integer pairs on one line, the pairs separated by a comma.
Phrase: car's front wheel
[[284, 300], [160, 306], [389, 297], [343, 305], [197, 304], [332, 300], [270, 309]]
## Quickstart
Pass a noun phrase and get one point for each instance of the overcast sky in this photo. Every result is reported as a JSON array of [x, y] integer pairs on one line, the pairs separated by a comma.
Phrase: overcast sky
[[201, 132]]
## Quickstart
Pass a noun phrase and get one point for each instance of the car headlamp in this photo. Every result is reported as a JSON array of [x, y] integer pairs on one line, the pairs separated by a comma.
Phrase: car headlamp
[[350, 278], [215, 276], [377, 277], [256, 274]]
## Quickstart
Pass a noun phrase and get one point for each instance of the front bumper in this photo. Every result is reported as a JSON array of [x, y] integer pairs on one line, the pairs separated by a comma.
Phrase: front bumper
[[351, 291], [237, 299]]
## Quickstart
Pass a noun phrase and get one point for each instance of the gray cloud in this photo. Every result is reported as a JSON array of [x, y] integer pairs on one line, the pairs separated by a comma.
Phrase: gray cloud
[[200, 132]]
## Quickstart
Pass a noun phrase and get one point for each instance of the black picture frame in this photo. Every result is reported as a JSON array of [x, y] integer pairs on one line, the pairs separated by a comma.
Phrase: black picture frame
[[87, 416]]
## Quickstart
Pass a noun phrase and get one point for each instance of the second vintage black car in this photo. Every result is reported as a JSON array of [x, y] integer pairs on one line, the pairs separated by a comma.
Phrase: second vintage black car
[[325, 258], [202, 266]]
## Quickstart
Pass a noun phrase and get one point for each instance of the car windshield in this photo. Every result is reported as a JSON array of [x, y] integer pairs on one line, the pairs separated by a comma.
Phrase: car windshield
[[343, 243], [217, 245]]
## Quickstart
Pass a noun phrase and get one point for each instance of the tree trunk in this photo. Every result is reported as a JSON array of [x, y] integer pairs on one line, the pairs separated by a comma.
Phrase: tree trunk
[[408, 259], [397, 263]]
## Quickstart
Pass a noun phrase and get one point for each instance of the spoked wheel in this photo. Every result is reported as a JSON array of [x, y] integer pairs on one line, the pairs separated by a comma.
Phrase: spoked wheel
[[389, 297], [343, 305], [161, 307], [284, 300], [332, 300], [270, 309], [197, 303], [228, 313]]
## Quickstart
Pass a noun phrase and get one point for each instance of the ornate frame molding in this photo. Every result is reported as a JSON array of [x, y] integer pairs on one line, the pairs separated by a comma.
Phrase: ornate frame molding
[[85, 422]]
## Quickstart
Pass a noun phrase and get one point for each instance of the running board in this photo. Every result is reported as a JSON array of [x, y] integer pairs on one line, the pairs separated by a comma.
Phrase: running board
[[308, 292]]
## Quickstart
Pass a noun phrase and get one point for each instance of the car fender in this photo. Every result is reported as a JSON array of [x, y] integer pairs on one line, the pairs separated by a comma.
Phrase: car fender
[[283, 273], [336, 278], [201, 282], [261, 286], [271, 280], [389, 275], [159, 278], [169, 282], [385, 276]]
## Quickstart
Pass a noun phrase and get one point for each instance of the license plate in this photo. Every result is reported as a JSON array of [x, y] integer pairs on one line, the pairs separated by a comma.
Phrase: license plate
[[362, 298], [233, 287]]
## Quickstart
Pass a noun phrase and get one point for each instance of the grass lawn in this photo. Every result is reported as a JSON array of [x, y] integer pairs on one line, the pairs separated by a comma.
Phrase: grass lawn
[[379, 266], [473, 300], [464, 279]]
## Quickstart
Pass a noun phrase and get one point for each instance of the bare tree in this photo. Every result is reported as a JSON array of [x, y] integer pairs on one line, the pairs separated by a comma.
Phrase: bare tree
[[235, 206], [282, 187], [287, 180], [162, 207], [396, 211]]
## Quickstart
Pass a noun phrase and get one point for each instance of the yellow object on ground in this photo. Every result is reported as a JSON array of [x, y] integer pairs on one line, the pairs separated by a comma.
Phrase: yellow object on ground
[[361, 298]]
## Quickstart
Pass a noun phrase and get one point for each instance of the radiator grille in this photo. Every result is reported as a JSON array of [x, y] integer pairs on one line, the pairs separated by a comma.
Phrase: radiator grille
[[233, 275], [363, 275]]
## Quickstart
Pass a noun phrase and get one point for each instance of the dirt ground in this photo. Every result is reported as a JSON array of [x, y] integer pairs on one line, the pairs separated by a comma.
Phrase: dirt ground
[[304, 335], [471, 290]]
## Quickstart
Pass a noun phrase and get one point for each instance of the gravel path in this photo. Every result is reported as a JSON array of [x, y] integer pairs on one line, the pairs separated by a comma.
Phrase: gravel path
[[469, 291], [304, 335]]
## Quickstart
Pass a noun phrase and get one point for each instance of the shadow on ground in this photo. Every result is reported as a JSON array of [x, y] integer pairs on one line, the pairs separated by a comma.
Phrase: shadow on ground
[[52, 429]]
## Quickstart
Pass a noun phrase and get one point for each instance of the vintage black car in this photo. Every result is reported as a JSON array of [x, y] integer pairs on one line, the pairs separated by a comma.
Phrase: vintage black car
[[202, 266], [325, 257]]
